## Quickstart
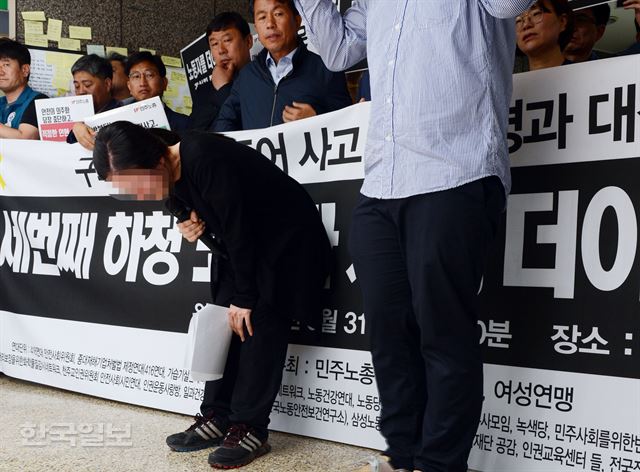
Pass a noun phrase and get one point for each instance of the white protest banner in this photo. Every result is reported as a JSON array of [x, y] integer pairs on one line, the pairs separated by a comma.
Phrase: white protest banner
[[80, 251], [56, 116], [325, 148], [575, 121], [97, 293], [559, 325], [148, 113]]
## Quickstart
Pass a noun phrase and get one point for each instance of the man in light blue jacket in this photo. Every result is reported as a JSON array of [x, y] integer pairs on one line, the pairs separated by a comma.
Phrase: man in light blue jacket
[[436, 176]]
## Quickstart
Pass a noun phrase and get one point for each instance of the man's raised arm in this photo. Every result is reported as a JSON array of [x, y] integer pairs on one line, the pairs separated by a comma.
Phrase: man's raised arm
[[506, 8], [340, 39]]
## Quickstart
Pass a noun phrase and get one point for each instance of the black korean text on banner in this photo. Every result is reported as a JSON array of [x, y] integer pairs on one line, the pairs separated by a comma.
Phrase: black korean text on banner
[[568, 244], [569, 247], [136, 252], [593, 120]]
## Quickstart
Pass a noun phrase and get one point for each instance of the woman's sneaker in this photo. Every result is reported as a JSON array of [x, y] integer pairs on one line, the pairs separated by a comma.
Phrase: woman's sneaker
[[205, 432], [241, 445]]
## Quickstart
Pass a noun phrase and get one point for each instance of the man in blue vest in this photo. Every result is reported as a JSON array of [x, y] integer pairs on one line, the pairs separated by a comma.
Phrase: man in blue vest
[[18, 118]]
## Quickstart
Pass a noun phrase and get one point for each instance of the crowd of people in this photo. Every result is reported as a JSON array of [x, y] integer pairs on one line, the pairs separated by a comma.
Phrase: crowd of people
[[436, 179], [284, 82], [551, 34]]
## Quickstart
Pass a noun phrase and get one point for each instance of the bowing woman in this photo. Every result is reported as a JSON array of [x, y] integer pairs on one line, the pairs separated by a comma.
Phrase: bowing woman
[[270, 267]]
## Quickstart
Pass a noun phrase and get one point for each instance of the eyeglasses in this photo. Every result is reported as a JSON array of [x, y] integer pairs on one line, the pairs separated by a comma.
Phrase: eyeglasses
[[535, 15], [137, 76]]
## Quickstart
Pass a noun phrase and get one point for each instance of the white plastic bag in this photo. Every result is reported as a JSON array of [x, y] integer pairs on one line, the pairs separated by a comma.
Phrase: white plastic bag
[[208, 343]]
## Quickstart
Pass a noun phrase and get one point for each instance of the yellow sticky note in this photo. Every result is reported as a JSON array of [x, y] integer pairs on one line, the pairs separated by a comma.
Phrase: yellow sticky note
[[33, 16], [178, 78], [33, 27], [62, 63], [62, 81], [122, 51], [54, 58], [97, 49], [80, 32], [34, 39], [171, 61], [171, 92], [69, 44], [152, 51], [54, 30], [188, 103]]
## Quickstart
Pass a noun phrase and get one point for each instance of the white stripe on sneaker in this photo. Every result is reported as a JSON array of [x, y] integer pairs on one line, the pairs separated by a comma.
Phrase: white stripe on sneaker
[[215, 429], [247, 445], [203, 434], [206, 428], [253, 439]]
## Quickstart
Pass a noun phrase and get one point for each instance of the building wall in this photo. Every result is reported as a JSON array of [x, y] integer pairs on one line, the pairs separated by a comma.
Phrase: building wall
[[163, 25]]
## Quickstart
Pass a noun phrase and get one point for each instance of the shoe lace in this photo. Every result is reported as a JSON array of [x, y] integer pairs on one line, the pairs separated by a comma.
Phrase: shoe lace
[[235, 434], [199, 420]]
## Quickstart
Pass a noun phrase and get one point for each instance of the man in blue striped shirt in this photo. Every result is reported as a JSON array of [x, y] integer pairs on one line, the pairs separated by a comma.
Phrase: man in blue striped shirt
[[436, 176]]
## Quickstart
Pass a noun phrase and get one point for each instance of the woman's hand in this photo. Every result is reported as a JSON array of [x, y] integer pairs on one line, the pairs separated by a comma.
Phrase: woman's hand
[[192, 228], [238, 318]]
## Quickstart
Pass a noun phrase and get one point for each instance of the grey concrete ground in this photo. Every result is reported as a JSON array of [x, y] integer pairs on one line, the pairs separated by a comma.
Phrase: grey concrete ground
[[25, 407]]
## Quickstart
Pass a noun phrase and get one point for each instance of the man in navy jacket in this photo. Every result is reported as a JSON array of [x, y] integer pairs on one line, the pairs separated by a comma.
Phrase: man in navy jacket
[[286, 82], [147, 79]]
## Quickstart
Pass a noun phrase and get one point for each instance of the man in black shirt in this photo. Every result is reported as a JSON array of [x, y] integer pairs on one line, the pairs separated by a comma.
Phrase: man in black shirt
[[230, 43]]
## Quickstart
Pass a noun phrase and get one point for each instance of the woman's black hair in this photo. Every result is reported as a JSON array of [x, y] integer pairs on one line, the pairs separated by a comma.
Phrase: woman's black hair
[[561, 7], [123, 145]]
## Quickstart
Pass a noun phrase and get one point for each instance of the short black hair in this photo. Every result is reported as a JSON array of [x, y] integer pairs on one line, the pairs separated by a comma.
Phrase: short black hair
[[123, 145], [290, 3], [145, 56], [10, 49], [94, 65], [226, 20], [115, 56], [601, 13]]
